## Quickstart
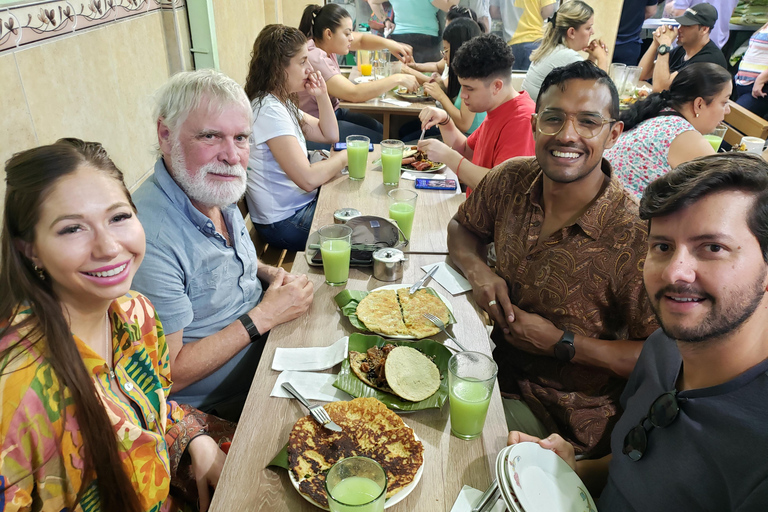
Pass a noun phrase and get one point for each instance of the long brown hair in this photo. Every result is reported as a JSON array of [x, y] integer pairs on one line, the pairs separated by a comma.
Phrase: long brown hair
[[30, 177], [570, 15], [273, 50]]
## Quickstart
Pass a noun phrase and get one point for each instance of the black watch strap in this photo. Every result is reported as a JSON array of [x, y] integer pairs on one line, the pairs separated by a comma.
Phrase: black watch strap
[[564, 349], [253, 332]]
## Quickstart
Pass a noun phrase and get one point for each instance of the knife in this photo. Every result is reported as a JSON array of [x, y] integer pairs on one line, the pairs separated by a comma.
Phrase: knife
[[486, 497], [424, 279]]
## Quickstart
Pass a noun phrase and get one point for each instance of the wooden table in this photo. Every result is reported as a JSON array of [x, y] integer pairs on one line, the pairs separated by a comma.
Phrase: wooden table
[[247, 485], [434, 208]]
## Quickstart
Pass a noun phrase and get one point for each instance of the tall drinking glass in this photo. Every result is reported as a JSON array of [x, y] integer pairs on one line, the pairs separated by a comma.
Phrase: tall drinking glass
[[356, 484], [357, 156], [336, 248], [630, 82], [391, 160], [618, 72], [471, 376], [716, 137], [402, 205]]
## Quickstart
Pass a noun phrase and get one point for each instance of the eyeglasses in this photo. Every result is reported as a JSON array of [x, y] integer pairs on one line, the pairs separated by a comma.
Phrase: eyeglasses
[[664, 410], [587, 125]]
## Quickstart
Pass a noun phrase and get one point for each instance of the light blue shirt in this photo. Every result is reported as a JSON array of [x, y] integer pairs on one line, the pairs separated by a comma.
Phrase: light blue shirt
[[415, 17], [195, 280]]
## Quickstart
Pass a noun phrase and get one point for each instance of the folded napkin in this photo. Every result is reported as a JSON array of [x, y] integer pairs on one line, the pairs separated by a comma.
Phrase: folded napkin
[[310, 358], [410, 176], [469, 497], [448, 278], [313, 386], [393, 101]]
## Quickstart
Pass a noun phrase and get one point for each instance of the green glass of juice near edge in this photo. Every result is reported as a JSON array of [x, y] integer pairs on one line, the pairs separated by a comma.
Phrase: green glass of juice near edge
[[335, 248], [391, 160], [356, 484], [471, 377], [716, 137], [357, 156], [402, 205]]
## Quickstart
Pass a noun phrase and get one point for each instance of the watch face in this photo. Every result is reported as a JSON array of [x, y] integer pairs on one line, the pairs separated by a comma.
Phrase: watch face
[[663, 49], [564, 351]]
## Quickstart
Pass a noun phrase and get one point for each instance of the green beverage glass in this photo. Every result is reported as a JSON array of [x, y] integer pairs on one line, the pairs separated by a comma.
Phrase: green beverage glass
[[357, 156], [335, 248], [716, 137], [356, 484], [402, 205], [391, 160], [471, 377]]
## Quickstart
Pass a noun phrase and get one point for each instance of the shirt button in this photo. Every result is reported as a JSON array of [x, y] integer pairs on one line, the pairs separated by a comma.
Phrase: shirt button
[[128, 386], [151, 417]]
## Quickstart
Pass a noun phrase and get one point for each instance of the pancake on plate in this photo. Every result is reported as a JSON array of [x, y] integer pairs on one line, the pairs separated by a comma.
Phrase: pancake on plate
[[380, 312], [369, 429], [411, 375], [414, 306]]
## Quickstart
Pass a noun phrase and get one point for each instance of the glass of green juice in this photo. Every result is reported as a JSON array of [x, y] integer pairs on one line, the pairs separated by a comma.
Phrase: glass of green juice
[[471, 377], [391, 160], [402, 205], [356, 484], [716, 137], [357, 156], [335, 248]]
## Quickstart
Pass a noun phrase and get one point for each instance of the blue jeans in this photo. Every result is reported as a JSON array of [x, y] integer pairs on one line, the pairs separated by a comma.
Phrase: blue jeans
[[290, 233], [757, 106], [522, 53]]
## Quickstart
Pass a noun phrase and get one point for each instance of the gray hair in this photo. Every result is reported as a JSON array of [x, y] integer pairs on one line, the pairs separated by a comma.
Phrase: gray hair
[[184, 92]]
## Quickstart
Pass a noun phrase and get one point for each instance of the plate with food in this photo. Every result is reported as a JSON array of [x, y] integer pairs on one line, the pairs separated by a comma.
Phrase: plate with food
[[403, 375], [416, 161], [313, 449], [419, 95], [393, 312]]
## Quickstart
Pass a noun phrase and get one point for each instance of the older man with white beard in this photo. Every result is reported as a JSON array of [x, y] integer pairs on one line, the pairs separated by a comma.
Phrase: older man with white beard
[[200, 270]]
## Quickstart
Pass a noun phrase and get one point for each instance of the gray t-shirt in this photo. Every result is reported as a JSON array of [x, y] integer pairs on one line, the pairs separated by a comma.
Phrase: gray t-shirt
[[560, 56], [713, 457]]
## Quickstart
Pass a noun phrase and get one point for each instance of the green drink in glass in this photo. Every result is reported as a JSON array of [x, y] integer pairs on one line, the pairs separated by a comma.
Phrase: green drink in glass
[[335, 248], [715, 141], [471, 377], [391, 160], [356, 484], [402, 206], [357, 156]]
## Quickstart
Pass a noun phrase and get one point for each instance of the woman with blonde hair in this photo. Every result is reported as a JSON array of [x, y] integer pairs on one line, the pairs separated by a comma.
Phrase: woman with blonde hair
[[568, 31]]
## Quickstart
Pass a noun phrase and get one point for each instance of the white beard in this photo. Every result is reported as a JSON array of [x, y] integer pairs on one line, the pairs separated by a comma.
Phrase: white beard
[[206, 192]]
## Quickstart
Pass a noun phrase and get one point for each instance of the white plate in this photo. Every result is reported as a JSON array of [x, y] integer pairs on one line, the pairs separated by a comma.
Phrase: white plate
[[397, 287], [544, 482], [507, 494], [438, 168], [397, 498]]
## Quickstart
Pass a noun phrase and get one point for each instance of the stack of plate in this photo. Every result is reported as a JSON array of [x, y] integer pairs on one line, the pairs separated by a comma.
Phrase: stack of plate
[[532, 479]]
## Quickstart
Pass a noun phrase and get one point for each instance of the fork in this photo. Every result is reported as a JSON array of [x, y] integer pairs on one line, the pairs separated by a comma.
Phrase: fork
[[318, 411], [440, 325]]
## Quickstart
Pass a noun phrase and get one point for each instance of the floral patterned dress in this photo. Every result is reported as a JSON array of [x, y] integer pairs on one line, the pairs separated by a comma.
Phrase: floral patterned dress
[[640, 154]]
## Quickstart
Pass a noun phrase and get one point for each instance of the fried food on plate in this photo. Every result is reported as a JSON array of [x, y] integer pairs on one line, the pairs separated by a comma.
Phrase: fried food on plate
[[380, 312], [411, 374], [414, 306]]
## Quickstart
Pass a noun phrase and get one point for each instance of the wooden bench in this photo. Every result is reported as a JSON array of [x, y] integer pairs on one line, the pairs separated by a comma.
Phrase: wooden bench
[[266, 254], [741, 122]]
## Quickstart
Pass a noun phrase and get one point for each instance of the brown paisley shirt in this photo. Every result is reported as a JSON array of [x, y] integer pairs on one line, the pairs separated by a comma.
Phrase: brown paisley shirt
[[586, 278]]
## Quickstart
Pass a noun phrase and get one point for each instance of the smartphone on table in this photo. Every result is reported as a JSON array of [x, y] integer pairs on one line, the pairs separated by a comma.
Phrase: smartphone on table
[[341, 146]]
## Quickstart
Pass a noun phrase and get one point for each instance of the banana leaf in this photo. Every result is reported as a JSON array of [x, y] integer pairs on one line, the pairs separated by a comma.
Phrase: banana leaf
[[348, 381]]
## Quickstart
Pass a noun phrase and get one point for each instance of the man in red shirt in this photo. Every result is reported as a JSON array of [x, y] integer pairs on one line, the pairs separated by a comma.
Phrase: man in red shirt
[[483, 66]]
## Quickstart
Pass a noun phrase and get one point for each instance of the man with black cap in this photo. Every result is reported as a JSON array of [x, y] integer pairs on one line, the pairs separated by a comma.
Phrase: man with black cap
[[662, 63]]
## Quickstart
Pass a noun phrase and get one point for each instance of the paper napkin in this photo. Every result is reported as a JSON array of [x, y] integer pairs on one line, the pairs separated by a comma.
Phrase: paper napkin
[[393, 101], [313, 386], [310, 358], [469, 497], [448, 278]]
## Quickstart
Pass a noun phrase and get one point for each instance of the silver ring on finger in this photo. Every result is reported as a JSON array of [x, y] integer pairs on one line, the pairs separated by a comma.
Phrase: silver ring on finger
[[492, 303]]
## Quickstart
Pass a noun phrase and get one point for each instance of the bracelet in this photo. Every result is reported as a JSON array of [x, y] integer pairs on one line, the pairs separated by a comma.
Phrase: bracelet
[[253, 331], [447, 120], [459, 166]]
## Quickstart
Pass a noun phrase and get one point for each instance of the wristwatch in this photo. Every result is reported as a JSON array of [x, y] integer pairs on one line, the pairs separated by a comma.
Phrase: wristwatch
[[564, 349], [253, 331], [663, 49]]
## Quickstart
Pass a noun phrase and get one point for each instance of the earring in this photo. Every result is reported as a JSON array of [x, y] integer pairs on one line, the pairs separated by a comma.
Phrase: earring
[[40, 273], [697, 114]]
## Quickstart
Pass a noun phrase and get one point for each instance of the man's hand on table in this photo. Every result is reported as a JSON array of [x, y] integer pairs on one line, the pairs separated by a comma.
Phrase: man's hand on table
[[288, 297], [554, 442], [207, 462], [531, 332]]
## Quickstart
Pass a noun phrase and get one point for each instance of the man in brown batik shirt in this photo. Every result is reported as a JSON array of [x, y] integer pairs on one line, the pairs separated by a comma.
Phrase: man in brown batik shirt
[[567, 295]]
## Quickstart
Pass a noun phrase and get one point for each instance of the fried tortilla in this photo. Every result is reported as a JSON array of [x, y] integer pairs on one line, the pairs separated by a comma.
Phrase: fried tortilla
[[369, 366], [380, 312], [411, 375], [369, 429], [413, 308], [393, 313]]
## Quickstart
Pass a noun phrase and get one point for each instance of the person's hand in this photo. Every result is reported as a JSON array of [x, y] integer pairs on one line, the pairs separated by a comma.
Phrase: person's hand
[[431, 116], [757, 88], [403, 52], [285, 300], [207, 463], [531, 332], [596, 48], [434, 77], [407, 81], [340, 155], [315, 84], [436, 150], [389, 24], [554, 442], [665, 34], [491, 293], [434, 90]]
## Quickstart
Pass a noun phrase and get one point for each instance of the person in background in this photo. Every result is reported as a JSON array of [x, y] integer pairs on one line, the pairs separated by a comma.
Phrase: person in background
[[720, 31], [661, 63], [200, 271], [482, 10], [329, 31], [509, 15], [568, 31], [416, 25], [566, 295], [86, 422], [628, 43], [379, 27], [666, 129], [753, 74], [698, 390], [454, 36], [529, 31], [282, 184]]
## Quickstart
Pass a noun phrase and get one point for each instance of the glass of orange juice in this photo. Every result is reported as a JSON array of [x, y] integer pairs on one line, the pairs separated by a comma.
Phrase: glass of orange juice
[[364, 63]]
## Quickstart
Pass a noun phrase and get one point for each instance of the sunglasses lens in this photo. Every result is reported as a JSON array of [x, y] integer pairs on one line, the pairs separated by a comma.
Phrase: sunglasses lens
[[664, 410], [635, 443]]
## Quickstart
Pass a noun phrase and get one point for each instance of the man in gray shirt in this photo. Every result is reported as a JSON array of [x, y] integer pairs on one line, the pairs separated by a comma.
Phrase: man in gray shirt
[[200, 270]]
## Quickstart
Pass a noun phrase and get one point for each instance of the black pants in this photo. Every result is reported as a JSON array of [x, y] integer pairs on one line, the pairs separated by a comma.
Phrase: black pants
[[425, 48]]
